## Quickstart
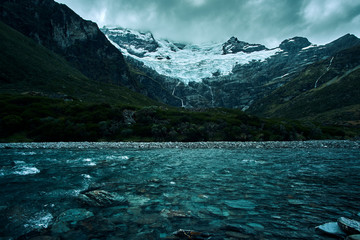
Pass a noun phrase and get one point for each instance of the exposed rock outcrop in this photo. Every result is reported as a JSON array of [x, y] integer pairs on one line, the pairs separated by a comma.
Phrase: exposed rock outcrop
[[233, 45], [61, 30]]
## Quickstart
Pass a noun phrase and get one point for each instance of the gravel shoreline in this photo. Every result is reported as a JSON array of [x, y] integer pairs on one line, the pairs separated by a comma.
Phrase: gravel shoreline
[[185, 145]]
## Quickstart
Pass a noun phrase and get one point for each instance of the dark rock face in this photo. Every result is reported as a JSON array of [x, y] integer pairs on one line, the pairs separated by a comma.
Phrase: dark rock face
[[233, 45], [61, 30]]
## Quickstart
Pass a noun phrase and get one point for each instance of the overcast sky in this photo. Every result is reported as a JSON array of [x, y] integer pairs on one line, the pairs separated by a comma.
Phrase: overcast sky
[[256, 21]]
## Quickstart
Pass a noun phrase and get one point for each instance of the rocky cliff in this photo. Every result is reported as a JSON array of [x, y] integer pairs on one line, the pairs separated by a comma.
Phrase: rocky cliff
[[61, 30], [326, 91]]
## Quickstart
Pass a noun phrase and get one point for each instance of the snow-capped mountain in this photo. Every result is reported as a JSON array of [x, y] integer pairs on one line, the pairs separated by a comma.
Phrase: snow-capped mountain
[[234, 74], [186, 62]]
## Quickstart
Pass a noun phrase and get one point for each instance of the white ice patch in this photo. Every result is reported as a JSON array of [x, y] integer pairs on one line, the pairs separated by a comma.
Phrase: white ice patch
[[308, 47]]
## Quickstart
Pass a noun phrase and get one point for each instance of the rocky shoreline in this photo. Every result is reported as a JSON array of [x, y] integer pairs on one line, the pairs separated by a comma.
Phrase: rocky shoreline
[[186, 145]]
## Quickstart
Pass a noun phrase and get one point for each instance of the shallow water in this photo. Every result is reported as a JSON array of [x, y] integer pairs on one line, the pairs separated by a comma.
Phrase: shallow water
[[262, 193]]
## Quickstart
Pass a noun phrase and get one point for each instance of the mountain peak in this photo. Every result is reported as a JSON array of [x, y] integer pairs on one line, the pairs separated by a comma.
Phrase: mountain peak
[[233, 45], [294, 44], [348, 40], [142, 41]]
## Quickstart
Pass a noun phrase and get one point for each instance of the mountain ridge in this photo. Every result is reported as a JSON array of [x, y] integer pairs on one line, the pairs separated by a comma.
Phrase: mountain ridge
[[241, 83], [327, 91]]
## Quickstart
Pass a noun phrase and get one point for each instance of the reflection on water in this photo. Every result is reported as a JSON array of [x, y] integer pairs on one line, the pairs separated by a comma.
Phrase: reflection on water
[[149, 194]]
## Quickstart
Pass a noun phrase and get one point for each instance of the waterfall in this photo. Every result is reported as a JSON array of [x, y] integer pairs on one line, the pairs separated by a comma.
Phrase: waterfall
[[327, 69]]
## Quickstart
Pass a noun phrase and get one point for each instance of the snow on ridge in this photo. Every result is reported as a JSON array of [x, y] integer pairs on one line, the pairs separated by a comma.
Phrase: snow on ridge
[[194, 62], [310, 46]]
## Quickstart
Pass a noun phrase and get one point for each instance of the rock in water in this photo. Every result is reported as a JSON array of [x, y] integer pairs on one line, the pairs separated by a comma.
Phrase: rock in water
[[353, 237], [240, 204], [349, 226], [68, 218], [331, 229], [190, 234], [100, 198]]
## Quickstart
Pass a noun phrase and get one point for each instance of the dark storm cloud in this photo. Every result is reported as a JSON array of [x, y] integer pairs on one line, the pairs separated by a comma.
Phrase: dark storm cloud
[[257, 21]]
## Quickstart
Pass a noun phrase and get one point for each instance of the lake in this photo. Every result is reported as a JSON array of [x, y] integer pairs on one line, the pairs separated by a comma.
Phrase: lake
[[278, 190]]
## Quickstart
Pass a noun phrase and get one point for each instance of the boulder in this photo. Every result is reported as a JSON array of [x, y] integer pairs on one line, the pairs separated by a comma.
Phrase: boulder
[[330, 229], [190, 234], [243, 229], [240, 204], [349, 226], [68, 218], [168, 213], [100, 198], [353, 237]]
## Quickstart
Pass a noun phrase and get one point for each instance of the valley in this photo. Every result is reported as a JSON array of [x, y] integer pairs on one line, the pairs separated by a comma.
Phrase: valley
[[148, 89]]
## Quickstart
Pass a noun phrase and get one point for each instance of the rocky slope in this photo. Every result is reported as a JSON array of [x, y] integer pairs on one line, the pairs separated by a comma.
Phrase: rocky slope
[[326, 91], [27, 68], [61, 30], [233, 74]]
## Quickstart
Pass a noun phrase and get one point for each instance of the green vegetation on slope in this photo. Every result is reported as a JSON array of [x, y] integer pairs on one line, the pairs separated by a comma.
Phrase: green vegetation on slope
[[334, 100], [32, 118], [26, 66]]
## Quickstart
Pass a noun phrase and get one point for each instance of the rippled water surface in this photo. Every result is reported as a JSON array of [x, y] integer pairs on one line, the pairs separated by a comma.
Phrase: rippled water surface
[[247, 193]]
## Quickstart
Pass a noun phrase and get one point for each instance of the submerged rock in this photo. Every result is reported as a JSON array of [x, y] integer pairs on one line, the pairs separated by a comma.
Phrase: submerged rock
[[70, 217], [233, 227], [190, 234], [240, 204], [217, 211], [349, 226], [237, 235], [353, 237], [331, 229], [101, 198], [168, 213]]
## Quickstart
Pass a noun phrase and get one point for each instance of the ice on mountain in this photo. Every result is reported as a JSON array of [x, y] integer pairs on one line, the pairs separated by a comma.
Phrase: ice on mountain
[[188, 63], [310, 46]]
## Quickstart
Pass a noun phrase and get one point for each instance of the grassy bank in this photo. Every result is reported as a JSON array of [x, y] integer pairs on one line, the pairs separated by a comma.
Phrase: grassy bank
[[35, 118]]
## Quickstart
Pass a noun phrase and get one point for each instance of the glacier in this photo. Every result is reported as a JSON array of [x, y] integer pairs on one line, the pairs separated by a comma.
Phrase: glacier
[[188, 63]]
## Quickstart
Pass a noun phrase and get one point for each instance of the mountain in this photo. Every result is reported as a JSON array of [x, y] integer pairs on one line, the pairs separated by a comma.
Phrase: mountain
[[29, 68], [326, 91], [233, 74], [80, 42], [185, 62]]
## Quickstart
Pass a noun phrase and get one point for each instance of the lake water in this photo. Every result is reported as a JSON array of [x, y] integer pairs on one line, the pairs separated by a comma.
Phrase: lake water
[[247, 192]]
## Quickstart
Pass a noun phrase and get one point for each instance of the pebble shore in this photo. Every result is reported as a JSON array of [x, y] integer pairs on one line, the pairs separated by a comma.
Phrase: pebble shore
[[185, 145]]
